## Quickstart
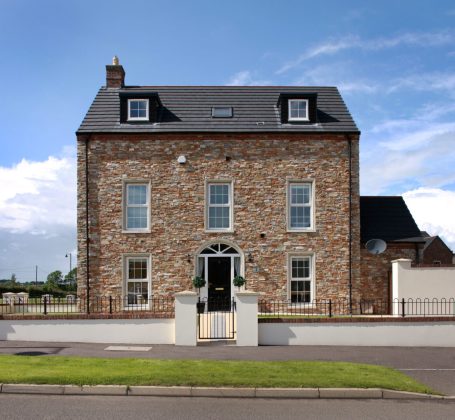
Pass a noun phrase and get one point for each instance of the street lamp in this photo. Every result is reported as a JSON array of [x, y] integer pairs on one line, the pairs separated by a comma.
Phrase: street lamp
[[66, 256]]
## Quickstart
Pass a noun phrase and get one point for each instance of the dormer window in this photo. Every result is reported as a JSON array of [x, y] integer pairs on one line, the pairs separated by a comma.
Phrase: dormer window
[[222, 112], [138, 109], [298, 110]]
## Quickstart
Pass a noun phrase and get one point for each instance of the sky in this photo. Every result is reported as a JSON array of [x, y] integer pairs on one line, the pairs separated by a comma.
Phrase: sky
[[394, 63]]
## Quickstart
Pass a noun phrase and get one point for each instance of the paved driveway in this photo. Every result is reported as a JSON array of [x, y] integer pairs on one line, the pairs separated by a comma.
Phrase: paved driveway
[[432, 366]]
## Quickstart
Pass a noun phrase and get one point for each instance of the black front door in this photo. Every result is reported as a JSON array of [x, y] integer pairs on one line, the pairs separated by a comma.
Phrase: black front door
[[219, 283]]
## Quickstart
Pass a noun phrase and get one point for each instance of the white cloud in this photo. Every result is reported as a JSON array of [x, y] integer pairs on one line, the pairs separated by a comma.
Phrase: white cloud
[[38, 195], [245, 78], [425, 82], [331, 47], [38, 216], [406, 153], [433, 210]]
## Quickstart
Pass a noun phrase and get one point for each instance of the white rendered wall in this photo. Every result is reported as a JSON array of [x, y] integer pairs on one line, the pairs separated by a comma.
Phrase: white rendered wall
[[185, 319], [247, 318], [422, 282], [359, 334], [122, 331]]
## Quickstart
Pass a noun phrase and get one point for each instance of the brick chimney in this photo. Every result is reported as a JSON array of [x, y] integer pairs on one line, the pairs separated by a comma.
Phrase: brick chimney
[[115, 75]]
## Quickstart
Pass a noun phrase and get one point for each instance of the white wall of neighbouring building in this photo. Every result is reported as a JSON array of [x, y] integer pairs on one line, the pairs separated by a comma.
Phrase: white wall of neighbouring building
[[121, 331], [422, 282]]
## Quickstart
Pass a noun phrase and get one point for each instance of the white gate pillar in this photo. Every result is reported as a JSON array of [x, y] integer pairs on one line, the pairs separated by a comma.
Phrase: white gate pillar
[[247, 318], [185, 319]]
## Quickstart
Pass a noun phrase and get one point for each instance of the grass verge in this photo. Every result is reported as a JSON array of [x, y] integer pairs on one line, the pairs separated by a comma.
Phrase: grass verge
[[215, 373]]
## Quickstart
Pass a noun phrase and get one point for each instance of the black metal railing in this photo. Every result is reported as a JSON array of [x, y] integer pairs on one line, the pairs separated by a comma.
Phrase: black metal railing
[[48, 305], [363, 307]]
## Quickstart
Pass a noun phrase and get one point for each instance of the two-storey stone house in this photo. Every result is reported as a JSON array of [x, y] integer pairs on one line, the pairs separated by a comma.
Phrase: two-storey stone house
[[218, 181]]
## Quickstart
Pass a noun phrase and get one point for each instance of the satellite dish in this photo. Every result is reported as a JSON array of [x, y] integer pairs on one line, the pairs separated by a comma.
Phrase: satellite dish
[[376, 246]]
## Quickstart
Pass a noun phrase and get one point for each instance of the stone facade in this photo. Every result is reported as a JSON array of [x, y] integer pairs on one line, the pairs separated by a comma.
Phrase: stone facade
[[259, 166]]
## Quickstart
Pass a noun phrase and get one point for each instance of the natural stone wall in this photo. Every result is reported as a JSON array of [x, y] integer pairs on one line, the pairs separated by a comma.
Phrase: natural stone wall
[[259, 167]]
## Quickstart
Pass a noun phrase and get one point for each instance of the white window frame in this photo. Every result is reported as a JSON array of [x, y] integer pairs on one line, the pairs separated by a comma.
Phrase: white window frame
[[146, 118], [311, 257], [125, 205], [125, 277], [230, 184], [312, 184], [296, 118]]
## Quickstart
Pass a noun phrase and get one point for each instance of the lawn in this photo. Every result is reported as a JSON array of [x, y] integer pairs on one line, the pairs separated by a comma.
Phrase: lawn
[[289, 374]]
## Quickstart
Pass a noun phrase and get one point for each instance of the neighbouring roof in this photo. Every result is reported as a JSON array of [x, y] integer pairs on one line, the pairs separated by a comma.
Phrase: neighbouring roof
[[188, 109], [389, 219], [430, 239]]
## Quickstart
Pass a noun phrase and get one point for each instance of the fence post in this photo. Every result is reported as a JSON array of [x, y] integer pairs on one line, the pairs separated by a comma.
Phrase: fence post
[[45, 305], [330, 308], [402, 308], [247, 318], [185, 319], [110, 304]]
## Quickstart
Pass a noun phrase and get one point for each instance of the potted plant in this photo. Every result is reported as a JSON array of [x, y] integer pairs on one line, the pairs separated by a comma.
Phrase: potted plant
[[239, 281], [199, 282]]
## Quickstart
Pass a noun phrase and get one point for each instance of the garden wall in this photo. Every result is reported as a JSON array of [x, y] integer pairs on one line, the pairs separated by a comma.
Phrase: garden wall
[[121, 331], [403, 333]]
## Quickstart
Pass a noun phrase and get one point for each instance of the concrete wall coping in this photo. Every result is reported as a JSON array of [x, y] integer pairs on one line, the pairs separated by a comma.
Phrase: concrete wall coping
[[185, 293]]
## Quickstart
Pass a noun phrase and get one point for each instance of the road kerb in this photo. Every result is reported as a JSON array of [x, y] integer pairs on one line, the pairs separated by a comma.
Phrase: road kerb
[[219, 392], [287, 393], [222, 392], [160, 391], [388, 394], [371, 393], [32, 389], [96, 390]]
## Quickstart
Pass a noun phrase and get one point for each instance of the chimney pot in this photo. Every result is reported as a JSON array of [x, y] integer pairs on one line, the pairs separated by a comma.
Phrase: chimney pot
[[115, 61]]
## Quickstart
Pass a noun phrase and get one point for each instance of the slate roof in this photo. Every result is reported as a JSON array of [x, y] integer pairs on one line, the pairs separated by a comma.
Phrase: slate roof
[[188, 109], [389, 219]]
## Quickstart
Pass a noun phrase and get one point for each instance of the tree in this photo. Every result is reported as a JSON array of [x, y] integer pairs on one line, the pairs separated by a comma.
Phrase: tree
[[13, 279], [53, 279], [70, 280]]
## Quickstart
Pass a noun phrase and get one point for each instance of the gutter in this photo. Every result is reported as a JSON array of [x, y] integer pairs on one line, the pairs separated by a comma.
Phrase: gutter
[[350, 221], [87, 239]]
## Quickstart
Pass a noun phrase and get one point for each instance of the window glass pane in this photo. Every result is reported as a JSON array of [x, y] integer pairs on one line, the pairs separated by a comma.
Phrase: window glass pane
[[137, 268], [306, 216], [137, 194], [136, 217], [301, 291], [300, 194], [300, 268], [138, 109], [219, 194], [297, 219], [222, 112], [298, 109], [219, 217]]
